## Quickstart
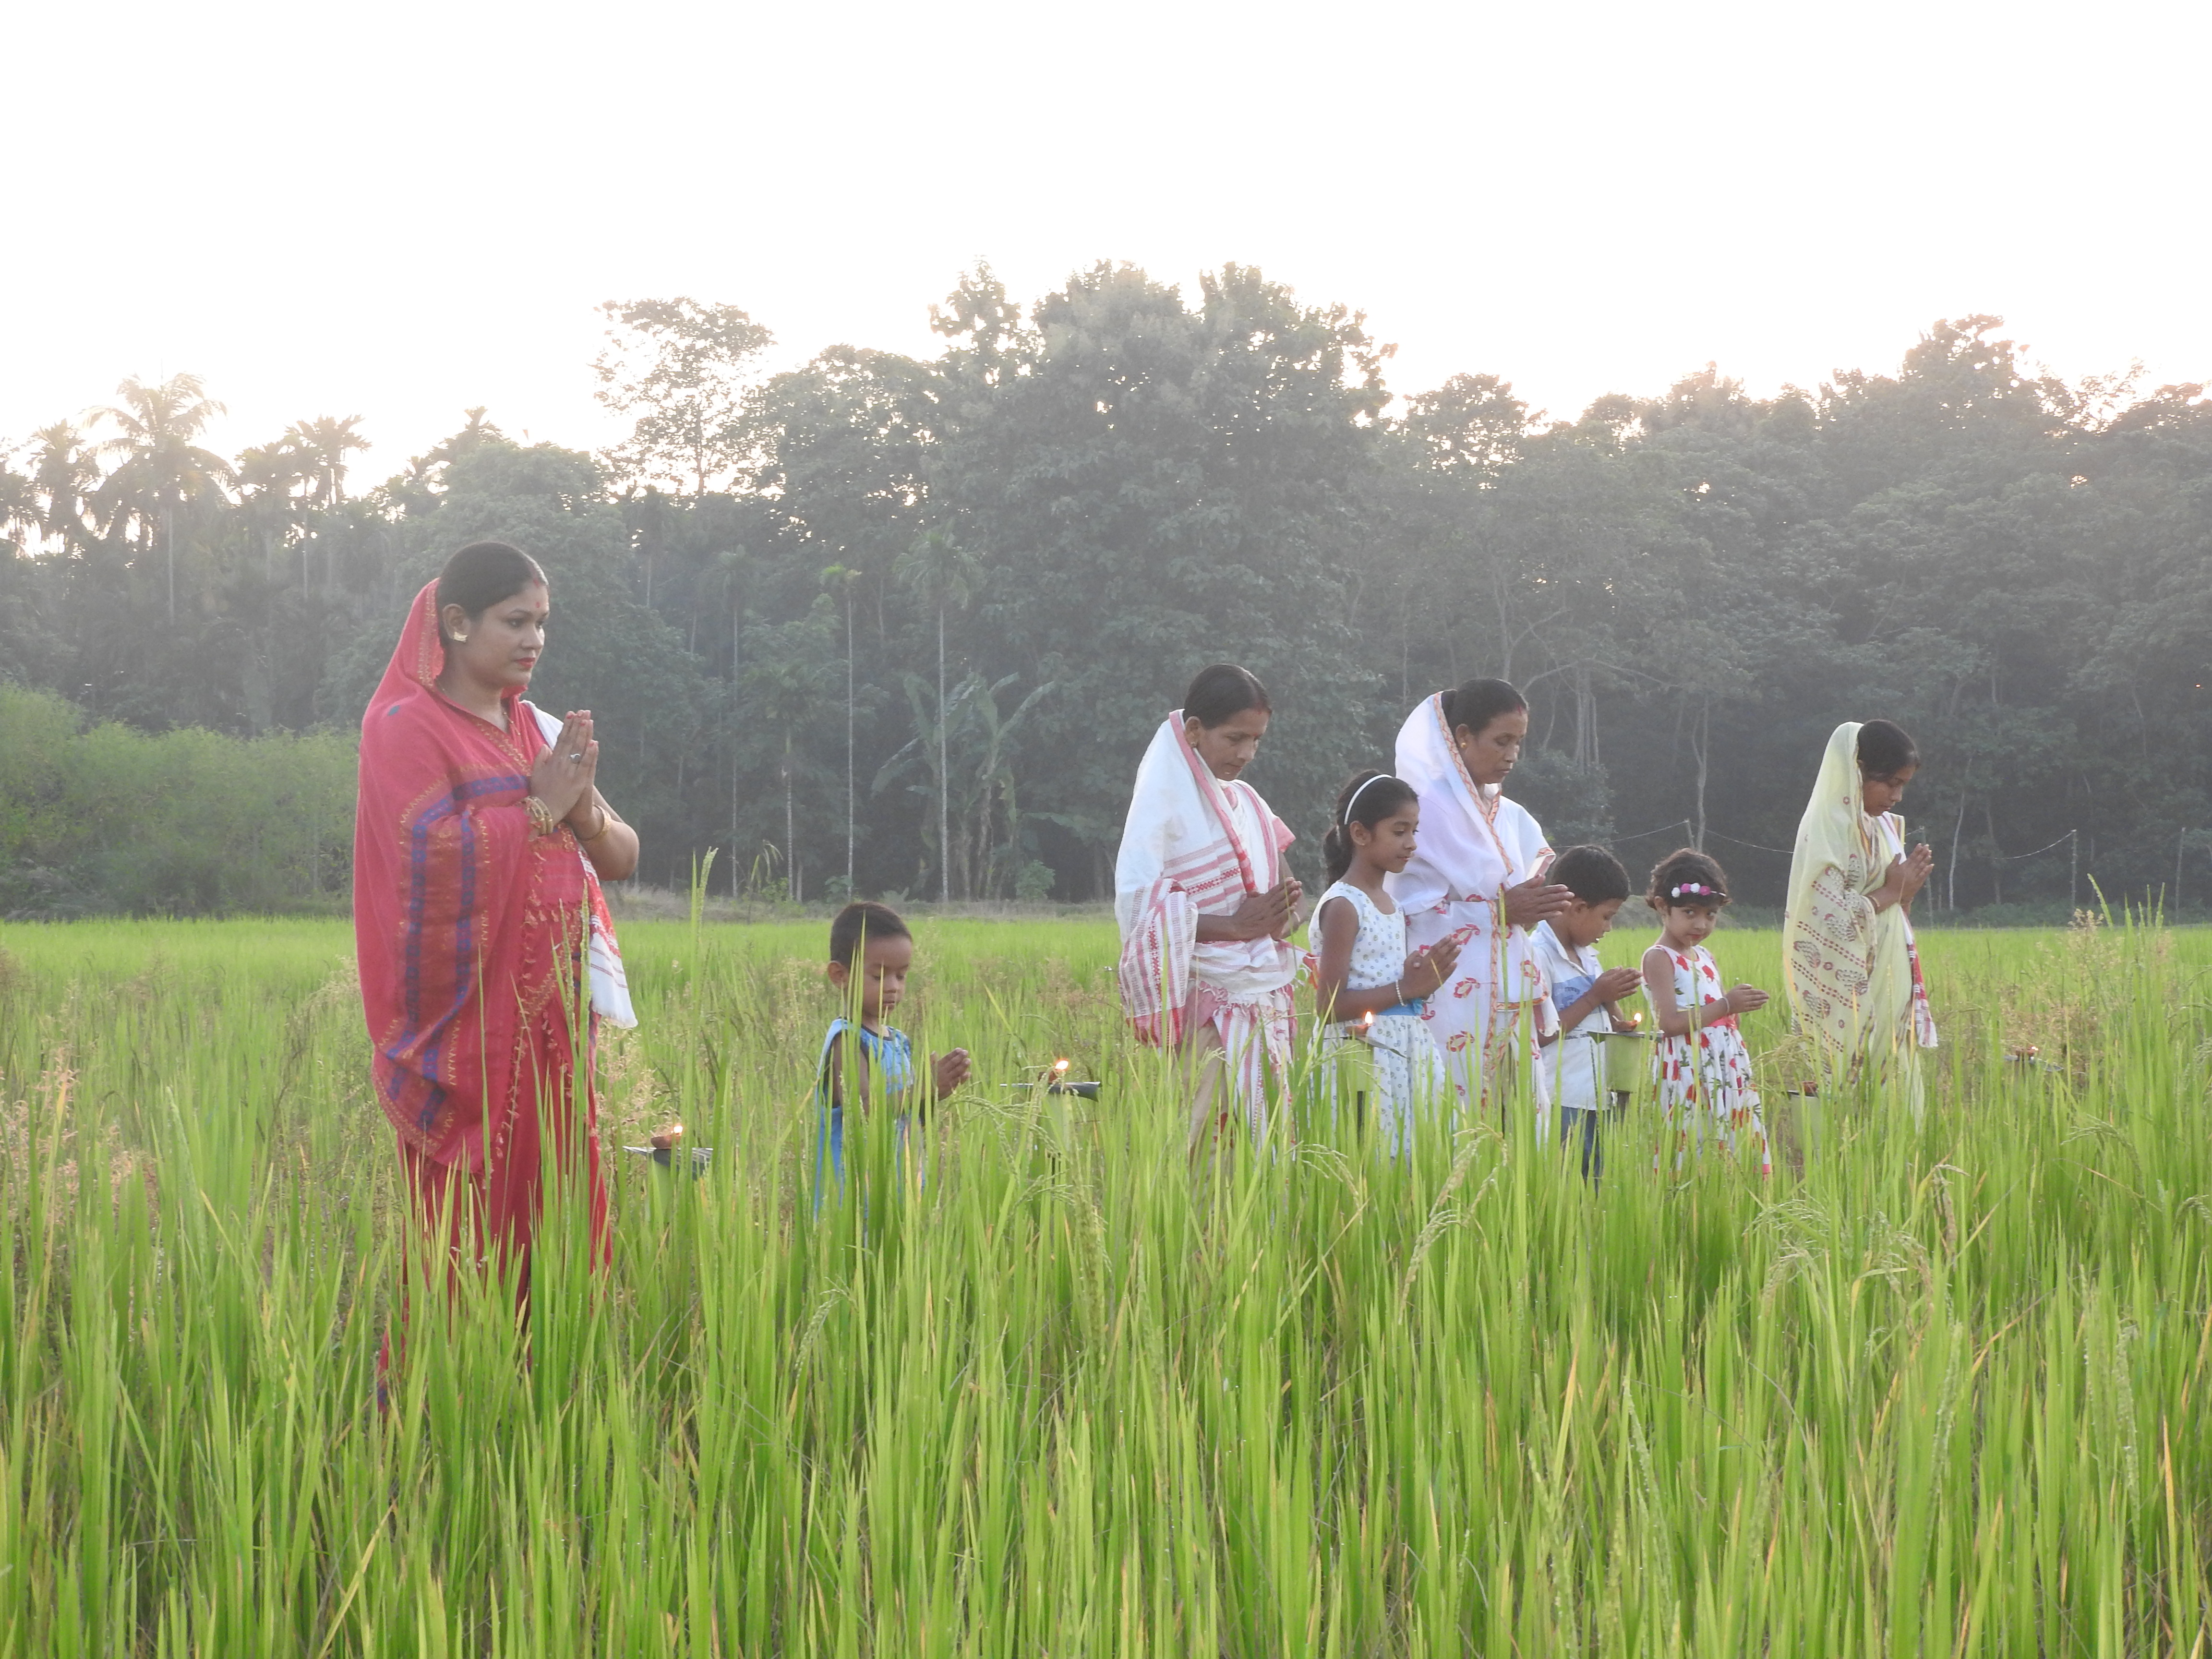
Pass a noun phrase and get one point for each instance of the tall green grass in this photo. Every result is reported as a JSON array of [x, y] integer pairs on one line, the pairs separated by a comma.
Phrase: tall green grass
[[1943, 1392]]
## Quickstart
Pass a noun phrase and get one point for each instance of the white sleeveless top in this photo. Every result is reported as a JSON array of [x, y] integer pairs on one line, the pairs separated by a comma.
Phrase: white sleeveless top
[[1378, 955]]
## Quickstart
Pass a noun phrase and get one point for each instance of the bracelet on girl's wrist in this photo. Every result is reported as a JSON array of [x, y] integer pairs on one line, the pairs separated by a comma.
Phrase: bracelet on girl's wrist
[[542, 820]]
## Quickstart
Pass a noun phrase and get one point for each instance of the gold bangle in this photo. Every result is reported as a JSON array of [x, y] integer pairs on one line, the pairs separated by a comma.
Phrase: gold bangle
[[606, 819], [542, 820]]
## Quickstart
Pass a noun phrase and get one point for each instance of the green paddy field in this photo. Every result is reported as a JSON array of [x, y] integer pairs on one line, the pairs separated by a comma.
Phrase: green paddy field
[[1934, 1389]]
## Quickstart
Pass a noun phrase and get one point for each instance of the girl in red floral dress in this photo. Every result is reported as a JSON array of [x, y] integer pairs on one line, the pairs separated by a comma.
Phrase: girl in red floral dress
[[1702, 1067]]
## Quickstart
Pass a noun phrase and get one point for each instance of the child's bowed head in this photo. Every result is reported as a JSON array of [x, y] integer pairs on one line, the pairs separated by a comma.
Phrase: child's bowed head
[[1593, 875], [871, 950], [871, 953], [1687, 879]]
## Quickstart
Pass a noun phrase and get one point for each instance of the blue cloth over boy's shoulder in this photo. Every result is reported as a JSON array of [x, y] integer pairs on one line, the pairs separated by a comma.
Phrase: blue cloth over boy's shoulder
[[1572, 988], [890, 1056], [1579, 1079]]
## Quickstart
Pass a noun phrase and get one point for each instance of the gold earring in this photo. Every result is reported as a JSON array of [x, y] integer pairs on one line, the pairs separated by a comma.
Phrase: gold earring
[[460, 638]]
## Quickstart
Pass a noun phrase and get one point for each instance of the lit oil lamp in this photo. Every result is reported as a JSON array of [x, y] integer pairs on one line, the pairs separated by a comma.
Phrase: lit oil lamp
[[1056, 1083], [663, 1150]]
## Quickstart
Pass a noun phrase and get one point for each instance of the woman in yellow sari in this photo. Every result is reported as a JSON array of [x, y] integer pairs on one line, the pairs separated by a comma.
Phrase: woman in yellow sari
[[1854, 980]]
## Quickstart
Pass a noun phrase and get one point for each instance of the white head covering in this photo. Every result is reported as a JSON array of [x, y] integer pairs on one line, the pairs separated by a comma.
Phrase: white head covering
[[1473, 842], [1832, 832], [1183, 837]]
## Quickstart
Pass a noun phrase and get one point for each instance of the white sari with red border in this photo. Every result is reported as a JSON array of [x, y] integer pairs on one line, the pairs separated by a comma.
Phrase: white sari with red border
[[1183, 856], [1473, 844]]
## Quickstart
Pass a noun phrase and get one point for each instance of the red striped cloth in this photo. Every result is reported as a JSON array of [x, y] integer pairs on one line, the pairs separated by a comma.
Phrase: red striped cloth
[[1180, 860]]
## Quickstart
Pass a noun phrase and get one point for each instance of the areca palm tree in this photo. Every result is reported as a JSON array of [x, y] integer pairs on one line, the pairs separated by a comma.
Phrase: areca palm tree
[[940, 572], [787, 672], [274, 470], [325, 443], [19, 506], [476, 432], [727, 569], [841, 580], [160, 468], [270, 478], [64, 480]]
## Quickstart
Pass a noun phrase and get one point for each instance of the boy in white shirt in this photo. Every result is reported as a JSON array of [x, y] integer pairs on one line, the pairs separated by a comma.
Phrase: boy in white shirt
[[1586, 994]]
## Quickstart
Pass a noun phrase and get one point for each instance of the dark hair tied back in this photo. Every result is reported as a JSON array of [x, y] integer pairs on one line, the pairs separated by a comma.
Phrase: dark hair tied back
[[1478, 703], [483, 574], [1687, 876], [1221, 693], [1884, 749], [1366, 799]]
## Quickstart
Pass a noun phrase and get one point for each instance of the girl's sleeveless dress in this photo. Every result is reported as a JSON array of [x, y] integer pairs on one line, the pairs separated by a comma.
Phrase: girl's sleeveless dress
[[1409, 1071], [1705, 1082]]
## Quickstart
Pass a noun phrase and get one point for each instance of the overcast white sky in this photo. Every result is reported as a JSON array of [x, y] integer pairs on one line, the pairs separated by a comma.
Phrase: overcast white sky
[[402, 209]]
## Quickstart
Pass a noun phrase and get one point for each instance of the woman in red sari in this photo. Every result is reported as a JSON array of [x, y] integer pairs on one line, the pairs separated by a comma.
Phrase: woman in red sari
[[485, 948]]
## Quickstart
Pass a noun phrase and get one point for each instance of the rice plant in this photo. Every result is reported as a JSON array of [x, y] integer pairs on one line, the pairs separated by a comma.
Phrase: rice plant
[[1940, 1389]]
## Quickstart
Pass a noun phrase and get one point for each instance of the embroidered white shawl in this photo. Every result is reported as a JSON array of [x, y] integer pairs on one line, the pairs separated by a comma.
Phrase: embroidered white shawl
[[1473, 844], [1855, 981]]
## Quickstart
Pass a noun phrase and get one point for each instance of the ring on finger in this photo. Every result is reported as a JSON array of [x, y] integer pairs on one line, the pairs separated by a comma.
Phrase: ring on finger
[[576, 757]]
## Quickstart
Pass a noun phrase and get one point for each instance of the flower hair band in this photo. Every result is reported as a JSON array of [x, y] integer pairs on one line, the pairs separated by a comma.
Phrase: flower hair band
[[1346, 818], [1692, 889]]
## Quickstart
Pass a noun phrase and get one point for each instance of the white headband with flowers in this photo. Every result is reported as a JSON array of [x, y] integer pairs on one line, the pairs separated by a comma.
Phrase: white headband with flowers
[[1692, 889]]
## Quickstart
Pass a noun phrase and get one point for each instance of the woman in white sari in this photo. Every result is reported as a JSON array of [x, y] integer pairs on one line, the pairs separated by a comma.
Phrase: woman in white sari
[[1205, 905], [1855, 981], [1478, 879]]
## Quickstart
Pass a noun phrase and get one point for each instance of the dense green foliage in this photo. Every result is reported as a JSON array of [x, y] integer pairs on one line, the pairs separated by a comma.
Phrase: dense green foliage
[[186, 821], [1014, 554], [1944, 1394]]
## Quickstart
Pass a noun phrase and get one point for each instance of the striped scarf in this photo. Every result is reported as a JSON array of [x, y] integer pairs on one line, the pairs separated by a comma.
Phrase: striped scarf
[[1181, 859]]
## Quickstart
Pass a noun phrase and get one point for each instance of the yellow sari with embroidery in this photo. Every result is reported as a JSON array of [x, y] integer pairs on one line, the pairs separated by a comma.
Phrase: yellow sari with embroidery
[[1856, 987]]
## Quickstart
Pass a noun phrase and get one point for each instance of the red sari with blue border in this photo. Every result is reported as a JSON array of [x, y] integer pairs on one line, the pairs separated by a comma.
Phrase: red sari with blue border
[[471, 930]]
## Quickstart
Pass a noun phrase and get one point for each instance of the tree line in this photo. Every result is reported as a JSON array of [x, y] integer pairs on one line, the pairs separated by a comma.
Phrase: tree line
[[901, 626]]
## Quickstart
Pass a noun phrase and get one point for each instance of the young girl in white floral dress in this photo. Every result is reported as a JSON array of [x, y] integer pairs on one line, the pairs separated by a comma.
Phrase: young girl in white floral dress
[[1367, 986], [1702, 1067]]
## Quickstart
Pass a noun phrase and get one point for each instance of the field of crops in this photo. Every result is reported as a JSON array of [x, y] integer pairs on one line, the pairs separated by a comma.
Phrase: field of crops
[[1942, 1391]]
